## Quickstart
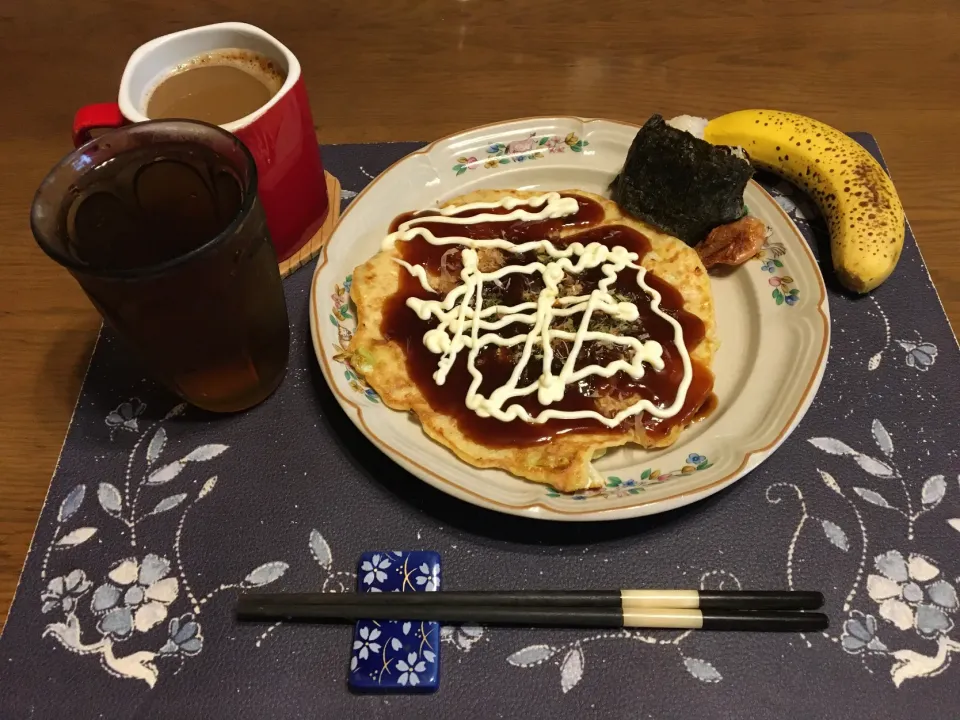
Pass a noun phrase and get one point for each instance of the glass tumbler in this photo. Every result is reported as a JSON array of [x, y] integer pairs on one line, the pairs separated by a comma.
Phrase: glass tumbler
[[160, 224]]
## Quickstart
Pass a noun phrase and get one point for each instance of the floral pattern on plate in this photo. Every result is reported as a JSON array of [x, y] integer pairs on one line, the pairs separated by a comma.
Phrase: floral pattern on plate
[[801, 211], [618, 487], [784, 291], [343, 317], [533, 147]]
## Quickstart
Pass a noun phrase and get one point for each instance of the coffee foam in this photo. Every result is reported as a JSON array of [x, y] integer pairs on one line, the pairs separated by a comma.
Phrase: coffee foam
[[260, 66]]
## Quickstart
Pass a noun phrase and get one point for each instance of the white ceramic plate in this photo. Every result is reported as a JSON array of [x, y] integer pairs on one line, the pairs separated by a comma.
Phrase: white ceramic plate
[[772, 318]]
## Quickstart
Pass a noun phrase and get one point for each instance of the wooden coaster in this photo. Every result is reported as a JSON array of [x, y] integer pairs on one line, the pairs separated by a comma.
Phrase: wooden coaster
[[310, 250]]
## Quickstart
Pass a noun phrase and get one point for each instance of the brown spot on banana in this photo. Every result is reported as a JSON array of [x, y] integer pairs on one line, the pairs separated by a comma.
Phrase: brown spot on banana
[[863, 211]]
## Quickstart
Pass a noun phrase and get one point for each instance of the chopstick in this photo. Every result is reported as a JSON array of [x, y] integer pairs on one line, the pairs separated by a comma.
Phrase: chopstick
[[350, 607], [572, 617], [626, 600]]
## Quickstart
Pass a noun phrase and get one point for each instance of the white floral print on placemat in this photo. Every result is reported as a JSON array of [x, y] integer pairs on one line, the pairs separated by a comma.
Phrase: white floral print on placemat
[[124, 417], [462, 637], [931, 493], [911, 593], [140, 591], [920, 355], [906, 616], [571, 658]]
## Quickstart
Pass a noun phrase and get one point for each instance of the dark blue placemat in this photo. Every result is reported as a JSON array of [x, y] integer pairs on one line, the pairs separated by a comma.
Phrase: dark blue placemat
[[157, 514]]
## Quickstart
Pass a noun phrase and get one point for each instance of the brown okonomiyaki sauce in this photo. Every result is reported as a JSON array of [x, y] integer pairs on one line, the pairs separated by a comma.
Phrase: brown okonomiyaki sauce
[[605, 395]]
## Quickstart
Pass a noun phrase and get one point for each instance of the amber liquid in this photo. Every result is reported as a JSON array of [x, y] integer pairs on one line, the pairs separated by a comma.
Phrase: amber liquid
[[201, 302]]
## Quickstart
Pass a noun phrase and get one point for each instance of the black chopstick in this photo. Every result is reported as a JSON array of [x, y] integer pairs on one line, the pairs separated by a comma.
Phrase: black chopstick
[[626, 600], [574, 617]]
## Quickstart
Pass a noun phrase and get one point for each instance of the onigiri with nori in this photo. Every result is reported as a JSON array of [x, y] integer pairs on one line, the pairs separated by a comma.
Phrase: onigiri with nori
[[680, 184]]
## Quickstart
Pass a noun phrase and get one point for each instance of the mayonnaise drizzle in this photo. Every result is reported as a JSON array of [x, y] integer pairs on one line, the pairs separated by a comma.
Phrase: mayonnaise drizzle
[[465, 323]]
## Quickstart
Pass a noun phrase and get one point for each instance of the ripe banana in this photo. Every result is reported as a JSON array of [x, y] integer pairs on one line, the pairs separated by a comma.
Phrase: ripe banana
[[851, 189]]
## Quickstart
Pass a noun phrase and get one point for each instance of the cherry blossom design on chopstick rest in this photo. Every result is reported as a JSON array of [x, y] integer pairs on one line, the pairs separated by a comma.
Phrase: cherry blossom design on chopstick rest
[[144, 595], [533, 147], [905, 619], [396, 655], [344, 318], [423, 576]]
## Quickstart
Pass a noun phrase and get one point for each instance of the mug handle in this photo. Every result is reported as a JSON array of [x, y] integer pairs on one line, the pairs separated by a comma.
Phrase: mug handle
[[105, 116]]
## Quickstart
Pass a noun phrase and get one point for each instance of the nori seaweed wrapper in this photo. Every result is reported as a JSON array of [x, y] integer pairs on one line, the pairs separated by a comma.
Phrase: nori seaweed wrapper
[[679, 183]]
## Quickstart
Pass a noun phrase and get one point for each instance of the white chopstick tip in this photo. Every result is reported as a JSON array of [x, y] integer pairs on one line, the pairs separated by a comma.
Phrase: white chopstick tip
[[638, 599], [675, 618]]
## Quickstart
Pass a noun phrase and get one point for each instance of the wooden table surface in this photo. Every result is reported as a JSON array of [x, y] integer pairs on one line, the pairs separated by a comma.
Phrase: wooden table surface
[[421, 69]]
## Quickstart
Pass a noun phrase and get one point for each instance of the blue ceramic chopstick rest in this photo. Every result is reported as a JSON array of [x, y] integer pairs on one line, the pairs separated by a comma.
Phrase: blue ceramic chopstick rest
[[396, 655]]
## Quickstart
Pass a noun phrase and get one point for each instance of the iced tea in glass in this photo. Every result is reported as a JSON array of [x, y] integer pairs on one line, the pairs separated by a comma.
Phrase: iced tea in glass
[[160, 224]]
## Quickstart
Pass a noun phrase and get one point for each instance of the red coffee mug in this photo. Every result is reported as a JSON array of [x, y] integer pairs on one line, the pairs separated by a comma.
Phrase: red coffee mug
[[280, 135]]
